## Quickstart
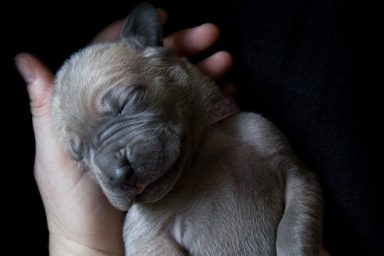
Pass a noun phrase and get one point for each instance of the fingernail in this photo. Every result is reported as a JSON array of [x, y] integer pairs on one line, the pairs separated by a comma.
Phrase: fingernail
[[25, 69]]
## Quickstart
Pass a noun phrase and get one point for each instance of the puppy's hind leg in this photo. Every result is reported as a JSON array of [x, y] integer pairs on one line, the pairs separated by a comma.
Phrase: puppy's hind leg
[[300, 229]]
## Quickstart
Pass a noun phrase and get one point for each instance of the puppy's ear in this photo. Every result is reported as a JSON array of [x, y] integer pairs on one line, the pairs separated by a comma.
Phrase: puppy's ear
[[143, 27]]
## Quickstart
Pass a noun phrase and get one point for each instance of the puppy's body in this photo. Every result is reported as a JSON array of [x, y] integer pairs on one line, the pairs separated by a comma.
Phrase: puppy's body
[[231, 200], [136, 118]]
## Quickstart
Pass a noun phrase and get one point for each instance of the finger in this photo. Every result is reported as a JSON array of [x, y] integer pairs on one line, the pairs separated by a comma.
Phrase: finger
[[192, 40], [50, 154], [112, 32], [39, 86], [216, 65], [39, 82]]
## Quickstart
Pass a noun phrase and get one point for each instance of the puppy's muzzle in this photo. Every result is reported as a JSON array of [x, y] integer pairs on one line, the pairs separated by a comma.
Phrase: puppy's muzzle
[[123, 177]]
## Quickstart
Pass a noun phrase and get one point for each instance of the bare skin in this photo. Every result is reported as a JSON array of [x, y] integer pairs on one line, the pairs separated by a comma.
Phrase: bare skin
[[80, 219]]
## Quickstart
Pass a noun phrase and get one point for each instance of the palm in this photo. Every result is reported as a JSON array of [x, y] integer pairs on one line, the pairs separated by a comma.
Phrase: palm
[[74, 203]]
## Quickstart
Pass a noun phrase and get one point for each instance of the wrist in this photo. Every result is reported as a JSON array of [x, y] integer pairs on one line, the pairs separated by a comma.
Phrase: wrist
[[62, 246]]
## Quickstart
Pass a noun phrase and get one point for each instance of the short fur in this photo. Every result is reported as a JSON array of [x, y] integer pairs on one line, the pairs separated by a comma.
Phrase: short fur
[[135, 117]]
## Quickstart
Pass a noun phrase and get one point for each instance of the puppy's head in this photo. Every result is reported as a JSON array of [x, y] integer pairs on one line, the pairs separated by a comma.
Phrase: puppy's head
[[123, 110]]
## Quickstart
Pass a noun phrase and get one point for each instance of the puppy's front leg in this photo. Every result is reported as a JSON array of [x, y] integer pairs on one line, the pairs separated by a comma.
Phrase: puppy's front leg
[[146, 234], [158, 245], [300, 229]]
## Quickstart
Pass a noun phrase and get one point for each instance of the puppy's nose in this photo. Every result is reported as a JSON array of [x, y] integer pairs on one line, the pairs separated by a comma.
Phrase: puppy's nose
[[124, 176]]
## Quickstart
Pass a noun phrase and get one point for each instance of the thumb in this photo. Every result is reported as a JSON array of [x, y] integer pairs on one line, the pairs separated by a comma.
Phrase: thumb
[[39, 83], [39, 86]]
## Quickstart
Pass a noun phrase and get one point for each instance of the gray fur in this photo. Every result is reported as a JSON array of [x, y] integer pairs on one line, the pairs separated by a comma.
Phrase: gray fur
[[135, 117]]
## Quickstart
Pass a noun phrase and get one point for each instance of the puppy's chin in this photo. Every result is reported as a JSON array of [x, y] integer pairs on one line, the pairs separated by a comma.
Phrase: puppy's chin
[[161, 187], [121, 199]]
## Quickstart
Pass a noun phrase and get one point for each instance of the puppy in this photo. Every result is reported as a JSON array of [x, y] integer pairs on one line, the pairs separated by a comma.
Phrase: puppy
[[195, 176]]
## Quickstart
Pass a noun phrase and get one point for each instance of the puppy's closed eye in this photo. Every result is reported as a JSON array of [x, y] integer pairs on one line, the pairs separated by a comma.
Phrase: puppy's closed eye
[[75, 148], [123, 100]]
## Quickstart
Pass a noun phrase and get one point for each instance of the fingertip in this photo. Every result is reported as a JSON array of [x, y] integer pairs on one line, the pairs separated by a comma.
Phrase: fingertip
[[217, 64], [32, 68], [38, 79], [209, 29], [110, 33], [24, 67], [203, 36], [192, 40]]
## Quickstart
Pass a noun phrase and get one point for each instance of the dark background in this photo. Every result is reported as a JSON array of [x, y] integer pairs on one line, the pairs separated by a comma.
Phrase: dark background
[[296, 63]]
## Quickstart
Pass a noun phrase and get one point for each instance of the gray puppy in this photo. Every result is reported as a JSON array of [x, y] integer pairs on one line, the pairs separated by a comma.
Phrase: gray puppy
[[164, 145]]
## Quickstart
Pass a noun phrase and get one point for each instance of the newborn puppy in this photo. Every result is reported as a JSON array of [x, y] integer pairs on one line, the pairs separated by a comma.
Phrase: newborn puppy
[[149, 127]]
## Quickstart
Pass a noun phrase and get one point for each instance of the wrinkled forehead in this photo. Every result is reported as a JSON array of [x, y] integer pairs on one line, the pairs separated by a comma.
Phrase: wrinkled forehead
[[90, 75], [110, 61], [98, 67]]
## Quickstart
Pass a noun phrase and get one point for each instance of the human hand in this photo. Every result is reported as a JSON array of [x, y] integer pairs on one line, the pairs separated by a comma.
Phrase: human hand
[[80, 219]]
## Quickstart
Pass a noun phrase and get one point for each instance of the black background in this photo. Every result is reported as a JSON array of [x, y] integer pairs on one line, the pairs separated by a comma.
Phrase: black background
[[296, 63]]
